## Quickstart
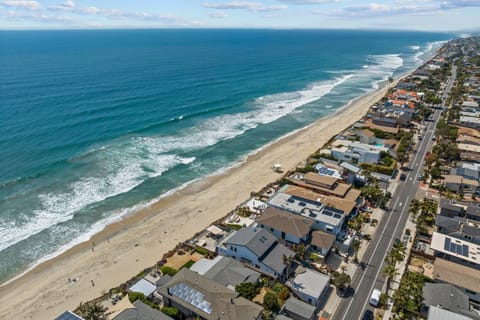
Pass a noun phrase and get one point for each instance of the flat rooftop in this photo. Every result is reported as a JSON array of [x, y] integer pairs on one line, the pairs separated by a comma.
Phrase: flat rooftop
[[456, 274], [456, 247], [307, 208], [343, 204], [338, 188]]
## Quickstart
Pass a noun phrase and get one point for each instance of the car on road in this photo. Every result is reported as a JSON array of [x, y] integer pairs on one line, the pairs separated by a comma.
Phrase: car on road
[[368, 315], [420, 177], [403, 177], [375, 297]]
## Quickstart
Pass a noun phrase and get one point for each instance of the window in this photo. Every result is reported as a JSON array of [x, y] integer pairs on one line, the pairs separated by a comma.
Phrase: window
[[329, 229]]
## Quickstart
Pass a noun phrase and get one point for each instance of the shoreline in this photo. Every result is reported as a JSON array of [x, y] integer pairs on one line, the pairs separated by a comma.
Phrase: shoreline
[[138, 241]]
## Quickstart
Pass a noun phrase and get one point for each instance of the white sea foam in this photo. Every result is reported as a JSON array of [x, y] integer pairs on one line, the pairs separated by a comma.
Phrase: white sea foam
[[415, 48], [120, 171], [120, 167]]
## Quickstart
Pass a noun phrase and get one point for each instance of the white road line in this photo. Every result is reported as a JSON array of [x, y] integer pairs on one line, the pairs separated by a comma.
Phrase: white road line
[[383, 260], [370, 260]]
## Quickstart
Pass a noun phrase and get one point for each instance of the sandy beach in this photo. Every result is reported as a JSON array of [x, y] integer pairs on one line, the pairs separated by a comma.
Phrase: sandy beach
[[123, 249]]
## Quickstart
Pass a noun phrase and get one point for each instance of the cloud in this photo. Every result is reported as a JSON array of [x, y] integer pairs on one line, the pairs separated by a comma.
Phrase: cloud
[[294, 2], [218, 15], [30, 5], [69, 4], [381, 9], [244, 5], [41, 17]]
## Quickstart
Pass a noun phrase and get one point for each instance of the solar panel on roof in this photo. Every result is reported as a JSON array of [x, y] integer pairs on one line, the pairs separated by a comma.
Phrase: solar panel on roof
[[459, 249], [192, 296]]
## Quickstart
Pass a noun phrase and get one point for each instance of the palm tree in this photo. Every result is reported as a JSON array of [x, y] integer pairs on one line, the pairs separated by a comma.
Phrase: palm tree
[[389, 271], [92, 311], [415, 206], [356, 247], [287, 261]]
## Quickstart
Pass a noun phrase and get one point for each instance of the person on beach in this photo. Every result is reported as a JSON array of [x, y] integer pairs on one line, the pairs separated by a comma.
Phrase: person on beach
[[93, 283]]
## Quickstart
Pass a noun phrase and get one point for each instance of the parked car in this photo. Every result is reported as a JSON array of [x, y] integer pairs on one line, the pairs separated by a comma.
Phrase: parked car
[[403, 177], [366, 209], [368, 315]]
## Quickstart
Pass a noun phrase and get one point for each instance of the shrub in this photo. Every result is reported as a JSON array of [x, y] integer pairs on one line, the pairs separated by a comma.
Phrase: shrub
[[281, 290], [202, 251], [270, 302], [170, 311], [168, 270], [234, 226], [246, 290], [188, 264], [134, 296]]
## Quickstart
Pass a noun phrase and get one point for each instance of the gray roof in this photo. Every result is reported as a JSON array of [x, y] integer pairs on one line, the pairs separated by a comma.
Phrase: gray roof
[[471, 230], [229, 272], [286, 221], [465, 172], [141, 312], [350, 167], [143, 286], [68, 315], [283, 317], [298, 307], [435, 313], [223, 303], [256, 240], [274, 258], [446, 296], [447, 224], [473, 209]]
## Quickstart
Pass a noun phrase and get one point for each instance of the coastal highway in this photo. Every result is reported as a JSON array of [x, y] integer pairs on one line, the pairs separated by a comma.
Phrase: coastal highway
[[389, 229]]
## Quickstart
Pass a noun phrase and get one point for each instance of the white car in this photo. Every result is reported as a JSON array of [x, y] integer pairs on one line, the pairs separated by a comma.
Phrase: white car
[[366, 209]]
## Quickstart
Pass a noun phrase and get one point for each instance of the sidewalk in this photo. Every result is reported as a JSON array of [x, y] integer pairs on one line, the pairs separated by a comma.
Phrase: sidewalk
[[334, 300], [401, 267]]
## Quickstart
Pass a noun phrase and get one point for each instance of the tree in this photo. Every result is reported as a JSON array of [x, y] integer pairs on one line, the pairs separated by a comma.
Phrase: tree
[[248, 290], [92, 311], [341, 281], [270, 302], [415, 206], [389, 271], [170, 311], [356, 247]]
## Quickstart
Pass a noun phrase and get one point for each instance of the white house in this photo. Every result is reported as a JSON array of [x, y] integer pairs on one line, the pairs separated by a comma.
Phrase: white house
[[257, 248], [309, 285], [356, 152], [325, 218]]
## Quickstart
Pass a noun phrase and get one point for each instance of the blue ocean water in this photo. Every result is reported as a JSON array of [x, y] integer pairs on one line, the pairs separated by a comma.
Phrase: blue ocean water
[[96, 124]]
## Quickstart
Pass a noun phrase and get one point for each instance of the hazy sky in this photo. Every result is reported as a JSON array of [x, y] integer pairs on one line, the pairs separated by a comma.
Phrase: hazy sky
[[378, 14]]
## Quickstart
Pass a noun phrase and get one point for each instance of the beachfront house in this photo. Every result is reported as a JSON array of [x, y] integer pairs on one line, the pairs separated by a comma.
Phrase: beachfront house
[[325, 218], [356, 152], [309, 285], [226, 271], [196, 296], [284, 225], [259, 249], [139, 311]]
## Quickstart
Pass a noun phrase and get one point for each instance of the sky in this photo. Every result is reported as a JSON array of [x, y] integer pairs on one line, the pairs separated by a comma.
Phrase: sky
[[434, 15]]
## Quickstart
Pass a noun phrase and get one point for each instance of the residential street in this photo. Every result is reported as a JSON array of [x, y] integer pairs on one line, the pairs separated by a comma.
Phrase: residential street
[[389, 229]]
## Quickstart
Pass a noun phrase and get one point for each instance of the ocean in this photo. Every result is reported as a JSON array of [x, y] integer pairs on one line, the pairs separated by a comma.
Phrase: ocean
[[96, 124]]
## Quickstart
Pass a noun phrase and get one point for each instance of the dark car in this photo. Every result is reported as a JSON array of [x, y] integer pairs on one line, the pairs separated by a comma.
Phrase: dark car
[[368, 315], [403, 177]]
